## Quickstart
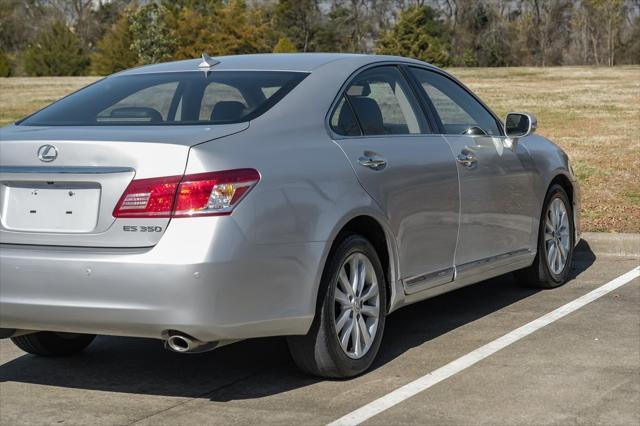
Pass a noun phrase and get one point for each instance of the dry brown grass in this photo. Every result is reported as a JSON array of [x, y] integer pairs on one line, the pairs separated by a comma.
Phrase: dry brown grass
[[593, 113]]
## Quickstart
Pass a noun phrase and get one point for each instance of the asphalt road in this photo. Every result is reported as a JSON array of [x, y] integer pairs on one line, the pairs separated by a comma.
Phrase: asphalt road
[[582, 369]]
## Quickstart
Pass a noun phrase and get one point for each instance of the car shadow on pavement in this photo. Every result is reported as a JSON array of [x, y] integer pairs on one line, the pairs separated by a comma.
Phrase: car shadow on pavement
[[258, 367]]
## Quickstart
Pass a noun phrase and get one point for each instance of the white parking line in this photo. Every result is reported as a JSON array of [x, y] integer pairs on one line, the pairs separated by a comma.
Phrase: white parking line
[[425, 382]]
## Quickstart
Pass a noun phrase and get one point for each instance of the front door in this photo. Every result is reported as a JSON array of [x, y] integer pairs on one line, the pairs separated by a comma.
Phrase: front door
[[410, 173], [496, 176]]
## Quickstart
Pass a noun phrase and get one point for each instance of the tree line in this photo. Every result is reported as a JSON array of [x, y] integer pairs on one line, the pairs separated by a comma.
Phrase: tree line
[[79, 37]]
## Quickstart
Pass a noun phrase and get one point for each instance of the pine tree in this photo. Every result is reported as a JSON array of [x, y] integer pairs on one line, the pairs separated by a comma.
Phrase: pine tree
[[114, 51], [417, 34], [153, 38], [56, 51], [284, 45]]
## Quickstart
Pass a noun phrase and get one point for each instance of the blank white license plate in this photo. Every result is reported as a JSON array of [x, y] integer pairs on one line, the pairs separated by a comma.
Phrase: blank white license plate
[[50, 207]]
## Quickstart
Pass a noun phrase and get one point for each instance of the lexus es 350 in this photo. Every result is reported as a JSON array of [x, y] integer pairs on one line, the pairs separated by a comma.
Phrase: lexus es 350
[[207, 201]]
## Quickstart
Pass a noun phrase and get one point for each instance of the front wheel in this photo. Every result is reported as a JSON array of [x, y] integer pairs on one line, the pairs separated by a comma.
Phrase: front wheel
[[345, 335], [556, 238]]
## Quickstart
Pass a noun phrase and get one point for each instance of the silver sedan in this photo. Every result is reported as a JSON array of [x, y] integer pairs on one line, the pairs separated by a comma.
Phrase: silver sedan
[[206, 201]]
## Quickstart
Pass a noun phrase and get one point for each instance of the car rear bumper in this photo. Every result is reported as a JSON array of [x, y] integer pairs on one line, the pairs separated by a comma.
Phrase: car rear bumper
[[202, 279]]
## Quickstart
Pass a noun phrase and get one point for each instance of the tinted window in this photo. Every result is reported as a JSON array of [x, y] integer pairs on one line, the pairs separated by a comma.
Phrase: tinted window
[[457, 109], [151, 104], [170, 98], [343, 121], [384, 104]]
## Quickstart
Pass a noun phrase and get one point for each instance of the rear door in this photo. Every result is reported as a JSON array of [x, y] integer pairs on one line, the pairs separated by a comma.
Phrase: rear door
[[496, 177], [409, 172]]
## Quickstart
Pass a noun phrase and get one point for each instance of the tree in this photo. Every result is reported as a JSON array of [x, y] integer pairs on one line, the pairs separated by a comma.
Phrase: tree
[[114, 51], [232, 29], [299, 20], [5, 65], [417, 34], [56, 51], [284, 45], [153, 39]]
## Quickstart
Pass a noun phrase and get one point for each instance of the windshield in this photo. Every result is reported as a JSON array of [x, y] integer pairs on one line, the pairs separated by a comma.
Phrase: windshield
[[174, 98]]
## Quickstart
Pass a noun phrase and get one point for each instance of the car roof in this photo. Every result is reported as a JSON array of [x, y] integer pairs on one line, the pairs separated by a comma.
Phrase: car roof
[[297, 62]]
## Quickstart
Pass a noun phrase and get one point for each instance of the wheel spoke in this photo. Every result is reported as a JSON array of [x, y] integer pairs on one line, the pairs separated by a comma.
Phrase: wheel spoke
[[344, 283], [342, 298], [342, 320], [551, 256], [563, 251], [364, 332], [346, 334], [548, 227], [371, 292], [362, 271], [353, 274], [557, 263], [370, 311], [355, 338]]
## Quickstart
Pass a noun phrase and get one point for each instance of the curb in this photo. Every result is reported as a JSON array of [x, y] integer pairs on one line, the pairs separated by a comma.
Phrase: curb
[[610, 244]]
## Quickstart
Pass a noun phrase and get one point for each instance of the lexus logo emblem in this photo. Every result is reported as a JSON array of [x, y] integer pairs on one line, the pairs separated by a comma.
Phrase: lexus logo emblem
[[47, 153]]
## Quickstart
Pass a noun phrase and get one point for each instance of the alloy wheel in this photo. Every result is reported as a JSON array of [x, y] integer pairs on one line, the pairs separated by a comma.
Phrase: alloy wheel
[[557, 238], [357, 305]]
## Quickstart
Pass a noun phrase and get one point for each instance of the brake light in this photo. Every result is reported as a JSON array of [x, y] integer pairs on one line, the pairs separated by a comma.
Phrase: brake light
[[203, 194]]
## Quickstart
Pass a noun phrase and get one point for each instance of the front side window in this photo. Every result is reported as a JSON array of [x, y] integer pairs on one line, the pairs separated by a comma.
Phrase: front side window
[[383, 103], [173, 98], [457, 109]]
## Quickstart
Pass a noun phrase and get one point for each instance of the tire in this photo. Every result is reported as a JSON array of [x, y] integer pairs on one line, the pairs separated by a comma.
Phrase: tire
[[543, 273], [52, 344], [320, 352]]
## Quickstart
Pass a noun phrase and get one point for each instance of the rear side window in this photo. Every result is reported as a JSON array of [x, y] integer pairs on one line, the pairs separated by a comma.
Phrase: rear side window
[[175, 98], [384, 104], [457, 109], [343, 120]]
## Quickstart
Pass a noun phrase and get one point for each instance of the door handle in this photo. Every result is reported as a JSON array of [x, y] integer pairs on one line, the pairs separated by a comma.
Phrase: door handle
[[468, 159], [372, 161]]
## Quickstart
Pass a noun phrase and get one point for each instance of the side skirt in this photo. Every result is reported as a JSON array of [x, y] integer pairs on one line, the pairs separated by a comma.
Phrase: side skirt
[[430, 285]]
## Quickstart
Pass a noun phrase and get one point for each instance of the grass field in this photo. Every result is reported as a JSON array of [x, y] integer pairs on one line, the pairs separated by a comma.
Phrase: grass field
[[593, 113]]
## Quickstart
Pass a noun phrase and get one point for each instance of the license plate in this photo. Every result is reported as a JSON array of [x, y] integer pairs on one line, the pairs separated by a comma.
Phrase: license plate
[[50, 207]]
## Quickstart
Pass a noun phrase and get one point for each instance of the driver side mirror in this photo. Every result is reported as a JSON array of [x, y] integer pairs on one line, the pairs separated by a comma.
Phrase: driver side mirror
[[518, 125]]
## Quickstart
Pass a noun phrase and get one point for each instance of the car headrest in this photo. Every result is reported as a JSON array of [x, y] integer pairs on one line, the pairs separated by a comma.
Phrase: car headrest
[[359, 89], [369, 114], [227, 111], [136, 114]]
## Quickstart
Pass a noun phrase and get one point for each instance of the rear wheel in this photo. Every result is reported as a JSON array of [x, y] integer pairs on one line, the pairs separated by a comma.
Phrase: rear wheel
[[345, 335], [556, 239], [52, 344]]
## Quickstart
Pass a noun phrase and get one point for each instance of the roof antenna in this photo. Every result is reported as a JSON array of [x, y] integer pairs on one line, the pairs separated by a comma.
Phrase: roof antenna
[[207, 61]]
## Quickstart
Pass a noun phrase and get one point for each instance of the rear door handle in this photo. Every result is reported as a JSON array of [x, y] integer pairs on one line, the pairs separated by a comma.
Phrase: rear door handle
[[372, 161], [468, 159]]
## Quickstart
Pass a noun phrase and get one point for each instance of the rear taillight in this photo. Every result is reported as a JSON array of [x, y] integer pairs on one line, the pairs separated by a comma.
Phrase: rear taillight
[[203, 194]]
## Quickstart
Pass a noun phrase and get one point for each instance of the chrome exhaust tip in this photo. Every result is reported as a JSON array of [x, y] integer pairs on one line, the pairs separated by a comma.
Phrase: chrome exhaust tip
[[180, 343], [183, 343]]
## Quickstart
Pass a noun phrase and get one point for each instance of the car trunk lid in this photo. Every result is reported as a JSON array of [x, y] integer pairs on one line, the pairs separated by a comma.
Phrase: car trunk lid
[[59, 185]]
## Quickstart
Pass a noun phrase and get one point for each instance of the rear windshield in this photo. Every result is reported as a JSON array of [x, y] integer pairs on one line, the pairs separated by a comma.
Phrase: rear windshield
[[198, 97]]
